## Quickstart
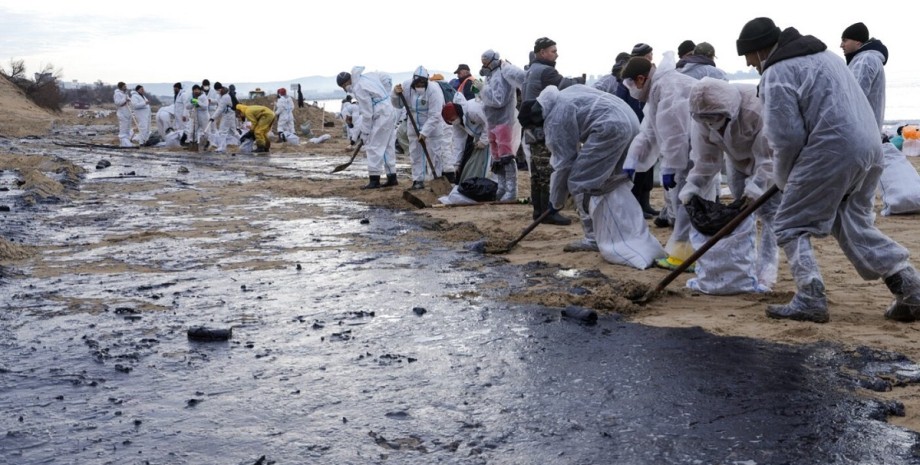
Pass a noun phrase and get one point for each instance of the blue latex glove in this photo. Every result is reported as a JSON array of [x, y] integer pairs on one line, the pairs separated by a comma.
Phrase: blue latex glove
[[668, 182], [629, 172]]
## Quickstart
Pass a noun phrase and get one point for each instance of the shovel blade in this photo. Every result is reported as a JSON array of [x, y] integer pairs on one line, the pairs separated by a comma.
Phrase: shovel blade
[[441, 186], [341, 167]]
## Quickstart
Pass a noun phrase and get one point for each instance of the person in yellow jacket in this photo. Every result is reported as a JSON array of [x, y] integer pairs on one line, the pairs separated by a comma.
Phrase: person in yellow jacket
[[261, 119]]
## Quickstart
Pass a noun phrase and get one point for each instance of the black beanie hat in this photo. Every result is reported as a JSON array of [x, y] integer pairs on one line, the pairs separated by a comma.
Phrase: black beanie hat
[[757, 34], [858, 32], [641, 49], [685, 47]]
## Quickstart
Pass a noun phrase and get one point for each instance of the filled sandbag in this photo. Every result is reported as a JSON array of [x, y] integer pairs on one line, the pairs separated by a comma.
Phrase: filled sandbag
[[621, 231], [456, 198], [899, 183], [729, 266]]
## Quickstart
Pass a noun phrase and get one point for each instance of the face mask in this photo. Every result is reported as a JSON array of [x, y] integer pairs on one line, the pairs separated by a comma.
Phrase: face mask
[[348, 89], [713, 121], [206, 88], [485, 72], [715, 125]]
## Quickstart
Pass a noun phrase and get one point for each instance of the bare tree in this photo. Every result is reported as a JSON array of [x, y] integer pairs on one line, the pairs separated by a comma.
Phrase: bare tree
[[43, 90]]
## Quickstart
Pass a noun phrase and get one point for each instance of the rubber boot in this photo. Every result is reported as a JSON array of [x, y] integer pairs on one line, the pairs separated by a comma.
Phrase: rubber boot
[[451, 177], [391, 180], [499, 177], [905, 285], [557, 219], [538, 202], [510, 182], [645, 203], [374, 182], [417, 185], [809, 302]]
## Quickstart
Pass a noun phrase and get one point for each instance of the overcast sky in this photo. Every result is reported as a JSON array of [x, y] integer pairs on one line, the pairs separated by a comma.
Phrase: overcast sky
[[167, 40]]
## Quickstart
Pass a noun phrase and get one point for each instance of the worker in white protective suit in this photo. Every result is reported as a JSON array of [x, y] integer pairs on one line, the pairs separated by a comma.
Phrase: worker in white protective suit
[[499, 101], [213, 97], [866, 57], [165, 120], [284, 113], [470, 138], [425, 104], [123, 112], [141, 109], [351, 114], [197, 106], [444, 137], [728, 119], [665, 92], [589, 133], [180, 113], [827, 161], [377, 125], [224, 118]]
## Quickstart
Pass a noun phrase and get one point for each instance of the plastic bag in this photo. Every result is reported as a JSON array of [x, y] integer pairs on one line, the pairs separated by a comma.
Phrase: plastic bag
[[709, 217], [729, 267], [899, 183], [456, 198], [621, 232], [479, 189]]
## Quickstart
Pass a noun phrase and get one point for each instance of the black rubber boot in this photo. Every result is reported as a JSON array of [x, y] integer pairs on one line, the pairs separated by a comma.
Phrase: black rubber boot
[[905, 285], [645, 202], [538, 202], [374, 182], [417, 185], [391, 180], [557, 219]]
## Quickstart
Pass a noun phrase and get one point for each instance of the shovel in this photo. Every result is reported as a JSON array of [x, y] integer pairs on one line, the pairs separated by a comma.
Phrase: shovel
[[524, 234], [344, 166], [440, 185], [726, 230]]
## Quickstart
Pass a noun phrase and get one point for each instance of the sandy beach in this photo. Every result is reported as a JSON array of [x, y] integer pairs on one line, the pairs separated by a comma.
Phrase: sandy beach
[[856, 306]]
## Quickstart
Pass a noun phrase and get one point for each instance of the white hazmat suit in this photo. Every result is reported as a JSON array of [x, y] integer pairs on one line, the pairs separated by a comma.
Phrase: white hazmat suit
[[425, 104], [123, 112], [728, 118], [666, 126], [376, 125], [589, 133]]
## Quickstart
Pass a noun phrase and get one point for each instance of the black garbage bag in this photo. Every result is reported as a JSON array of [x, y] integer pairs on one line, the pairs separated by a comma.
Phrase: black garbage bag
[[710, 217], [479, 189]]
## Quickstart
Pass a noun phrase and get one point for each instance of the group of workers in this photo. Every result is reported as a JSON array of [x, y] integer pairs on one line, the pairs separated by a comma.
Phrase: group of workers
[[812, 112], [211, 116]]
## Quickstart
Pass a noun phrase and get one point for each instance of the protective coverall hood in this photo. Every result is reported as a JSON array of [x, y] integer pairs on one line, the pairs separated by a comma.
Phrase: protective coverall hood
[[715, 97]]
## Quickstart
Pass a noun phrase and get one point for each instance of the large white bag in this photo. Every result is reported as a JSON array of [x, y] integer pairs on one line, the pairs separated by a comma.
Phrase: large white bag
[[900, 183], [621, 231], [729, 267]]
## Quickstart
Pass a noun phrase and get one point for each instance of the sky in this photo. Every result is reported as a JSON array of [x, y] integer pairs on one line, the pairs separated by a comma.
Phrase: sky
[[166, 41]]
